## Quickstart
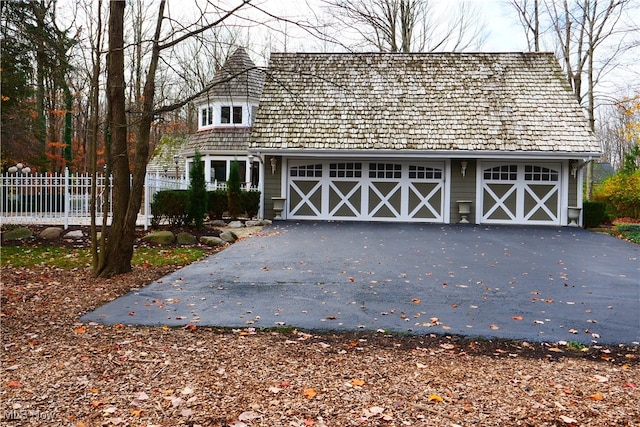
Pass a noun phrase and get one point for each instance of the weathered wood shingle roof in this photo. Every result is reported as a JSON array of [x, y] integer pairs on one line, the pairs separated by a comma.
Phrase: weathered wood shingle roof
[[443, 101], [237, 78], [222, 139]]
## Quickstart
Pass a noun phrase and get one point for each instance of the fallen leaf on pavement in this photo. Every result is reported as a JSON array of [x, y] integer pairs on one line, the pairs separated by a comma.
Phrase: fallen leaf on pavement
[[309, 393]]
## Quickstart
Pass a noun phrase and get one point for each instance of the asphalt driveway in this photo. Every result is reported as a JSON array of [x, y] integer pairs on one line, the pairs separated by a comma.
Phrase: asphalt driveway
[[515, 282]]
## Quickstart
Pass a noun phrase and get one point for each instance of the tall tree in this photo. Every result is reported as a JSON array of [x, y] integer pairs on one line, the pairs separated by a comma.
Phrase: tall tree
[[579, 29], [410, 25], [116, 257], [33, 25], [529, 16], [127, 195], [17, 127]]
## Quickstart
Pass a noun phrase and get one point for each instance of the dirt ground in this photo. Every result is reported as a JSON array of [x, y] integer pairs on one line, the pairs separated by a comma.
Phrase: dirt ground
[[57, 371]]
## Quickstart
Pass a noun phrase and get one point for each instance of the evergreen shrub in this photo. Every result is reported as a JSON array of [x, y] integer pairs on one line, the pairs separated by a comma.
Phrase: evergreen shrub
[[217, 203], [170, 207], [594, 213], [250, 202], [234, 191], [197, 206]]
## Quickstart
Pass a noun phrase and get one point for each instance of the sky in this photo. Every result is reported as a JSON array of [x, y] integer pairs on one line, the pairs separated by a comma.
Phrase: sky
[[502, 29]]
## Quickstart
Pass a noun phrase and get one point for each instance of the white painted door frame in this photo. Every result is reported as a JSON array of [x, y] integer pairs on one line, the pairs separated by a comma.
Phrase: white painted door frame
[[385, 195], [524, 178]]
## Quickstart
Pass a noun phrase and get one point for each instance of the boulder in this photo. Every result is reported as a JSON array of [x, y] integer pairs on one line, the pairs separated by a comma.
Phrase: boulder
[[51, 233], [160, 237], [228, 236], [73, 235], [211, 241], [236, 224], [184, 238], [257, 223], [20, 233], [218, 223]]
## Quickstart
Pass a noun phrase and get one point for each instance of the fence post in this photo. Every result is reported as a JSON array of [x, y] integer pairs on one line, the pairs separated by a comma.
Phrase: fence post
[[146, 201], [67, 198]]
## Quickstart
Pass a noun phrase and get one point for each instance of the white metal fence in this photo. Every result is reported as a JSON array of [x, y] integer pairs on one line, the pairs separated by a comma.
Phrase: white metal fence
[[65, 199]]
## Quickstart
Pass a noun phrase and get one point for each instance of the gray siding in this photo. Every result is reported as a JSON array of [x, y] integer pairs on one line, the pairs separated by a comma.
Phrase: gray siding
[[462, 188], [573, 190], [272, 185]]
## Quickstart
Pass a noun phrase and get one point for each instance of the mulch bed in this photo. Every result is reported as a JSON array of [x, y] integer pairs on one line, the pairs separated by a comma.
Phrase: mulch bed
[[57, 371]]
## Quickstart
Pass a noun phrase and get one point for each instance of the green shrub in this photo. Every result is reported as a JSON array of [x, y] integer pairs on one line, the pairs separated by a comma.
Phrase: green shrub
[[629, 231], [170, 207], [594, 213], [197, 206], [217, 203], [250, 202], [234, 190]]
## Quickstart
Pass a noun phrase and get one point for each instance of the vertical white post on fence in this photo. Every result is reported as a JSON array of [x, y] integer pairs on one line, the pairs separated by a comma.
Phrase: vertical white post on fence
[[67, 198], [146, 201]]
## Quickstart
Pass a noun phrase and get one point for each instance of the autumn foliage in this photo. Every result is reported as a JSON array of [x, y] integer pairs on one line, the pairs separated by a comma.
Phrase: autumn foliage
[[622, 190], [622, 193]]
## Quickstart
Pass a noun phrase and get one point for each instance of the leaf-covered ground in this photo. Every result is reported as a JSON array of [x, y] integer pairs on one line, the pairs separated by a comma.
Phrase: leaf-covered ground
[[59, 372]]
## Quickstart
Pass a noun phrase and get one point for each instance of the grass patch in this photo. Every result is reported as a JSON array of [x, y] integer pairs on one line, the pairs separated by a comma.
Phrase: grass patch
[[160, 257], [54, 256]]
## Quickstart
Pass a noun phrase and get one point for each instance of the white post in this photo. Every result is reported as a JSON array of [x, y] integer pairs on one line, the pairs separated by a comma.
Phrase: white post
[[261, 177], [67, 198], [146, 201]]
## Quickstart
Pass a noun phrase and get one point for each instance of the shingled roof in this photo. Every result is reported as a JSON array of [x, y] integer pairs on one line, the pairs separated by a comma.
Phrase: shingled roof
[[223, 139], [237, 78], [438, 101]]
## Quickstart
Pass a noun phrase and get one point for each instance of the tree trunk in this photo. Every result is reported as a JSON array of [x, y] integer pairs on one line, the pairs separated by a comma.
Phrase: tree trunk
[[119, 242], [68, 126], [536, 25], [94, 128]]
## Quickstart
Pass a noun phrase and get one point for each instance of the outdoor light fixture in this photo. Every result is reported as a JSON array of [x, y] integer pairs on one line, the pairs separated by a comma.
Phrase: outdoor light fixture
[[574, 168], [463, 168], [19, 168], [274, 163], [256, 157], [176, 160]]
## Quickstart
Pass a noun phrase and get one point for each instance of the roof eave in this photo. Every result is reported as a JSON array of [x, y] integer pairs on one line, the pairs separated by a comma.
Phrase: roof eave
[[424, 154]]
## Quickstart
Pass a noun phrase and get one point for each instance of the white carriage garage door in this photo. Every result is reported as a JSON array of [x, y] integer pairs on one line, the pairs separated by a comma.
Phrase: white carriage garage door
[[366, 191], [521, 193]]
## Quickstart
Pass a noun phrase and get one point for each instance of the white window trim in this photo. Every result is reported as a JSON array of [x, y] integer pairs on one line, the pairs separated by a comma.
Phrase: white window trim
[[210, 115], [247, 106]]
